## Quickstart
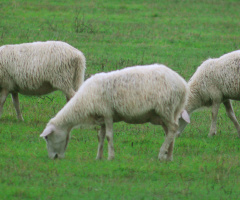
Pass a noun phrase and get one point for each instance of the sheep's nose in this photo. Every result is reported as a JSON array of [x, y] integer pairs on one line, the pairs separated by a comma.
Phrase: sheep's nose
[[56, 156]]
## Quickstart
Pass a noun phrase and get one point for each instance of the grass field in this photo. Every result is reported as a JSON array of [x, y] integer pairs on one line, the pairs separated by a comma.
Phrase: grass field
[[114, 34]]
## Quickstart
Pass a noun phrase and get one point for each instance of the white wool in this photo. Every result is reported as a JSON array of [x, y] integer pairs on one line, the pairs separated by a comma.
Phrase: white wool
[[39, 68], [127, 94], [140, 94], [26, 67], [215, 81]]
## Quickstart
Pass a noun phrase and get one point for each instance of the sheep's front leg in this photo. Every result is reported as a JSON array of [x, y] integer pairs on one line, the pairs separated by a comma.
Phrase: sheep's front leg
[[231, 115], [69, 94], [109, 135], [166, 150], [15, 100], [101, 137], [213, 129], [3, 96], [170, 148]]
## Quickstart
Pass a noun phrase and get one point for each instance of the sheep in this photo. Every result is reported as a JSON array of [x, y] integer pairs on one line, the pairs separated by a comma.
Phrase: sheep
[[39, 68], [136, 95], [216, 81]]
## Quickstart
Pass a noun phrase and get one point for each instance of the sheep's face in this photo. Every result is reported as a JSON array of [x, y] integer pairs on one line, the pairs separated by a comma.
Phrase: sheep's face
[[57, 141], [183, 121]]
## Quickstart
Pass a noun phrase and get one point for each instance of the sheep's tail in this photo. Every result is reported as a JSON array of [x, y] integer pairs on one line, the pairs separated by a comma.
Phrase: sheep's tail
[[79, 72]]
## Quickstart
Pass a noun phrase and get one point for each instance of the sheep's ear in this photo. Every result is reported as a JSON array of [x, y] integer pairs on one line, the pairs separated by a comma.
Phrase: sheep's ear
[[185, 116], [47, 131]]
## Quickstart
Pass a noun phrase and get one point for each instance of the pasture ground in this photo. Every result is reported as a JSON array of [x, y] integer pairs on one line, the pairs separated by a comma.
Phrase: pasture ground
[[114, 34]]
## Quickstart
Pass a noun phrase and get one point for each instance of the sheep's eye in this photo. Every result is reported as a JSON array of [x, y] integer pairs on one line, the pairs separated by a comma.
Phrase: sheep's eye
[[45, 137]]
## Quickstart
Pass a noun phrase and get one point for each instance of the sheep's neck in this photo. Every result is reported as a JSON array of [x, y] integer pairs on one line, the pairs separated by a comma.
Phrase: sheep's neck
[[76, 114], [194, 101]]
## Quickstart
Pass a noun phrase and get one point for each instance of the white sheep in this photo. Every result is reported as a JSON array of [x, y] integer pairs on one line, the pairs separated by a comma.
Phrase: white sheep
[[216, 81], [39, 68], [136, 95]]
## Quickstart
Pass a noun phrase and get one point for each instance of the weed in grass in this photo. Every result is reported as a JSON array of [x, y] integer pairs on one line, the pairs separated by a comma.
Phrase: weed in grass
[[81, 25]]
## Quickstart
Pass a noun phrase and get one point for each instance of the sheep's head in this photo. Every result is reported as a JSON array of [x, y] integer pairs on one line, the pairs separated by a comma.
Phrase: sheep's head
[[183, 121], [57, 141]]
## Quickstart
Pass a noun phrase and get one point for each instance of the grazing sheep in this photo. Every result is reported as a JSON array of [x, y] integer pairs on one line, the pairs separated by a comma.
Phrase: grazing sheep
[[216, 81], [135, 95], [39, 68]]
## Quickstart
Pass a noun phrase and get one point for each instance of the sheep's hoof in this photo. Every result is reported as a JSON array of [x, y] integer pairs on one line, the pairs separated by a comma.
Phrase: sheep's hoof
[[20, 118], [178, 134], [170, 158], [111, 158], [212, 134], [162, 157], [165, 160]]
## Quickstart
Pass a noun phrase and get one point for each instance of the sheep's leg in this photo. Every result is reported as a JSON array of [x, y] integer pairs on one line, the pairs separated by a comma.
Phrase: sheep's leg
[[101, 137], [213, 129], [15, 100], [109, 135], [170, 148], [69, 94], [165, 129], [166, 149], [3, 97], [231, 115]]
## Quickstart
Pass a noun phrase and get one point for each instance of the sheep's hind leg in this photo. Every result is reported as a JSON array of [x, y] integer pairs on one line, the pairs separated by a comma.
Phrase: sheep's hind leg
[[231, 115], [3, 96], [213, 129], [101, 137], [109, 135], [166, 150], [15, 100]]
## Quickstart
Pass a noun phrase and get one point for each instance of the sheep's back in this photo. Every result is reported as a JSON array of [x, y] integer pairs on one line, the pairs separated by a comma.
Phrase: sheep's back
[[218, 78], [136, 90], [29, 65]]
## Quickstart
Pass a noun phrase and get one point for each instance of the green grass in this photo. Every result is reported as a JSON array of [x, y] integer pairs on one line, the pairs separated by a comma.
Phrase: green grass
[[113, 35]]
